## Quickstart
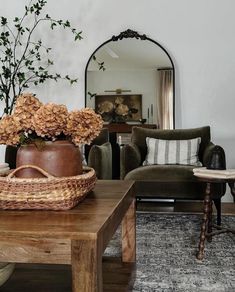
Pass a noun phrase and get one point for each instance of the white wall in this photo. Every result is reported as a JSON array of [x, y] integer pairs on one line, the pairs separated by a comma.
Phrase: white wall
[[198, 34], [138, 81]]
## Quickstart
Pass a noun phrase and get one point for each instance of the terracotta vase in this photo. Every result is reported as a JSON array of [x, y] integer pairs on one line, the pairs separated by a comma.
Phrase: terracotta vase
[[59, 158]]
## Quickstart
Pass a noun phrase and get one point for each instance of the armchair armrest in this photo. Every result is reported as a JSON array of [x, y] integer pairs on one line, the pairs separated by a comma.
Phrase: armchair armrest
[[100, 158], [130, 159], [210, 148]]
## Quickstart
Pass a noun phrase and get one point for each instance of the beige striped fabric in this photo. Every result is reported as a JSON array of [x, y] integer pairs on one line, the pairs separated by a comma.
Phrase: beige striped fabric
[[172, 151]]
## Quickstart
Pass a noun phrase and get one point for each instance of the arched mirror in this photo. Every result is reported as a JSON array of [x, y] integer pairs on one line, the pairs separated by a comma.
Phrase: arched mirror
[[131, 79]]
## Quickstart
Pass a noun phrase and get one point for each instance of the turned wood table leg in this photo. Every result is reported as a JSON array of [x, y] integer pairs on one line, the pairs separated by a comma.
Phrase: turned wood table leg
[[204, 226], [209, 229], [129, 235], [86, 259]]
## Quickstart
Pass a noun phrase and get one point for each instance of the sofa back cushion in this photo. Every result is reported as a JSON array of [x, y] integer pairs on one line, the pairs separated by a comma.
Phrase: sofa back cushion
[[183, 152], [139, 136]]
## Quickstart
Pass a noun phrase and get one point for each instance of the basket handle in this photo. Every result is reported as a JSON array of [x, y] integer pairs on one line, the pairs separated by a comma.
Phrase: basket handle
[[29, 166]]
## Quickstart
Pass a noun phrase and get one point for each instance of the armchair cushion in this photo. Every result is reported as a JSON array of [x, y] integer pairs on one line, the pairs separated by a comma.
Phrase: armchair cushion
[[183, 152], [163, 173]]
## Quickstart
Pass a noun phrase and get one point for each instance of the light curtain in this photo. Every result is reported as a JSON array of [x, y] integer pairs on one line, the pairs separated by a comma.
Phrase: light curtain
[[165, 99]]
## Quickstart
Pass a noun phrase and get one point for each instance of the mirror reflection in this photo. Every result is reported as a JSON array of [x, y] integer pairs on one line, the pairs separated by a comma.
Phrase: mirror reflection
[[131, 80]]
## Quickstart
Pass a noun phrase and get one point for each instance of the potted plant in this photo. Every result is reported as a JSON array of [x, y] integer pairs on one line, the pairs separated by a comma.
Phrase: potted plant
[[24, 59], [48, 135]]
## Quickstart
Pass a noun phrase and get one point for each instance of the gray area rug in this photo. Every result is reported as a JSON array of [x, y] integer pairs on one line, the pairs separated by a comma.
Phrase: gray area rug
[[166, 249]]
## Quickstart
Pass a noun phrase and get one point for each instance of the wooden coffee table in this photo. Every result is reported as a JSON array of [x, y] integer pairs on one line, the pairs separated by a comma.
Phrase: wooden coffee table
[[77, 237]]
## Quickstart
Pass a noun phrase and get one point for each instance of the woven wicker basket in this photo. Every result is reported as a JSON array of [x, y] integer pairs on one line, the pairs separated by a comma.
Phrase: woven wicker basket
[[49, 193]]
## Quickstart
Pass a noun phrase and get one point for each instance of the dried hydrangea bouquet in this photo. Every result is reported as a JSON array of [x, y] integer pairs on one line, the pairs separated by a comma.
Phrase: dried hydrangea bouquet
[[40, 128]]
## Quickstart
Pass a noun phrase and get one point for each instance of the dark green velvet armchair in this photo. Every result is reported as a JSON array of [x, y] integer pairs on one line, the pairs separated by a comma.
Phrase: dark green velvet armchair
[[99, 155], [171, 181]]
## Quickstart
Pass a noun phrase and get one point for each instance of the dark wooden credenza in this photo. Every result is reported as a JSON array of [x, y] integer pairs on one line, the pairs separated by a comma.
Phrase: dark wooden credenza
[[126, 128], [123, 130]]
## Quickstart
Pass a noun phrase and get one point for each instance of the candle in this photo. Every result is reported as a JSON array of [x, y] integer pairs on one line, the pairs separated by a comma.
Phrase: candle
[[148, 112], [151, 110]]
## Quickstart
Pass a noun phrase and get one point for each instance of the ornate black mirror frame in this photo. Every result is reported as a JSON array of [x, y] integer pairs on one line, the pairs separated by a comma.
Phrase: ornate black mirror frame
[[133, 34]]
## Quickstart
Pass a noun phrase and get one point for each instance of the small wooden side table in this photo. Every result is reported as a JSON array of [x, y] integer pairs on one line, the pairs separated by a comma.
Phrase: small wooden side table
[[206, 226]]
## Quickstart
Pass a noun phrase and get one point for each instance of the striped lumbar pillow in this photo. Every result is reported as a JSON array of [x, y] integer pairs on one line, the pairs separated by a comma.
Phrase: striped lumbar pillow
[[172, 151]]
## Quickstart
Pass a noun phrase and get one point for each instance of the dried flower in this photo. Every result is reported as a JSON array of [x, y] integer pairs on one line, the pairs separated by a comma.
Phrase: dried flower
[[26, 106], [119, 100], [50, 120], [105, 107], [10, 128], [33, 121], [122, 110], [83, 126]]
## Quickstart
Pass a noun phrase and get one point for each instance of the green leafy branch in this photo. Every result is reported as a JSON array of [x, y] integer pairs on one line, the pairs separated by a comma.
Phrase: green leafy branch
[[22, 60]]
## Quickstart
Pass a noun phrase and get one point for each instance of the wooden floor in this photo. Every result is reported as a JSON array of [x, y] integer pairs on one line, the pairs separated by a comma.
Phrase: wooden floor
[[118, 277]]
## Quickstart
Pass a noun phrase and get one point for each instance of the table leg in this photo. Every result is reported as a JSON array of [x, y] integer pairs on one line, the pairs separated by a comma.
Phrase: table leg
[[129, 235], [209, 228], [86, 259], [204, 226]]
